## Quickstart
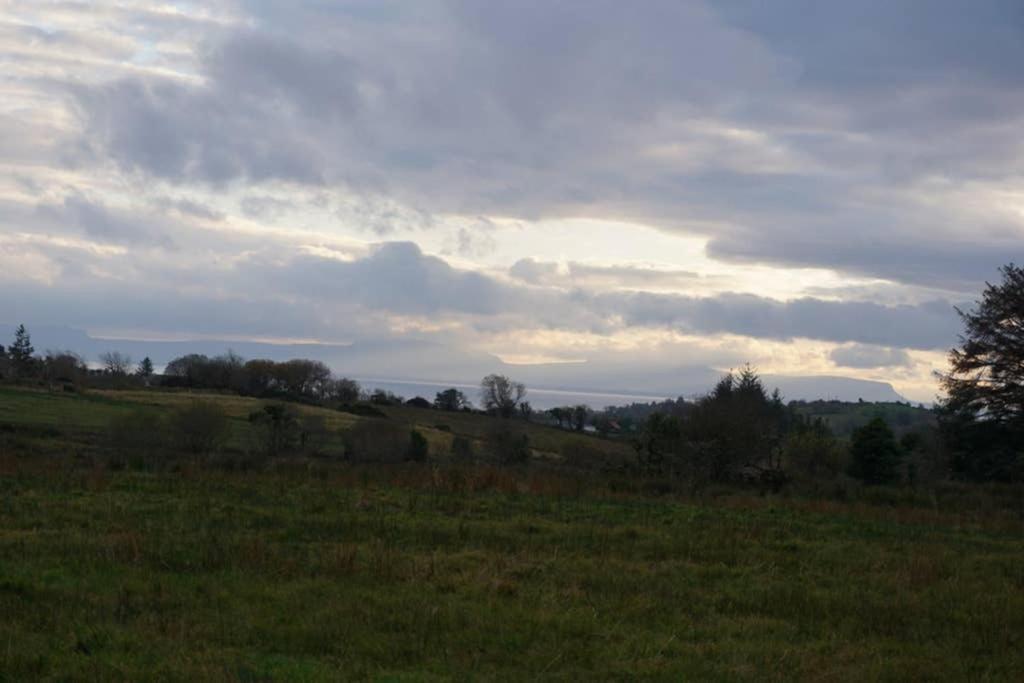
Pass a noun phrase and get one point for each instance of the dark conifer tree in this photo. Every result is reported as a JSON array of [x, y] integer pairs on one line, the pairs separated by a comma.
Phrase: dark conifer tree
[[21, 352], [982, 419], [875, 456]]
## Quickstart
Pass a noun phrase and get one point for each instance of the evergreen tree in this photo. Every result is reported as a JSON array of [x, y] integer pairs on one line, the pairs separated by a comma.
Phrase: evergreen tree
[[982, 420], [21, 352], [145, 367], [988, 368], [875, 455]]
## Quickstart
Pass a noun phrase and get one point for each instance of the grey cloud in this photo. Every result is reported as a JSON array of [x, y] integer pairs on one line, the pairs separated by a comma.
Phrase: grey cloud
[[596, 109], [180, 133], [102, 224], [864, 356], [879, 41], [533, 271], [910, 256], [274, 290], [927, 326], [188, 208], [398, 277], [265, 207]]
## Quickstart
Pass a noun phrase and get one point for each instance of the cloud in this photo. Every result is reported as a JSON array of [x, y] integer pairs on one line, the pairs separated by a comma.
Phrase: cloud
[[780, 134], [867, 154], [592, 276], [864, 356], [102, 224], [924, 326], [398, 279]]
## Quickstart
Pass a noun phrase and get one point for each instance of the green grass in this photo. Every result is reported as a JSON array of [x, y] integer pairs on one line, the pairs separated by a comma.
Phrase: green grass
[[544, 440], [290, 576], [82, 419], [313, 570]]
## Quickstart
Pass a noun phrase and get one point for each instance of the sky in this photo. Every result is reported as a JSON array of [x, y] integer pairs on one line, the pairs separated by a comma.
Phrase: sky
[[809, 187]]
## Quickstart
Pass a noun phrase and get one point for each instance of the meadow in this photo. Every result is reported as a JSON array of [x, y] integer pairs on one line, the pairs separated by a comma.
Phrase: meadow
[[314, 569]]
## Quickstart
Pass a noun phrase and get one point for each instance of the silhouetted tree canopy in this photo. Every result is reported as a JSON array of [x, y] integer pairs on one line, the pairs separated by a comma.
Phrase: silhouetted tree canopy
[[296, 378], [21, 351], [501, 395], [733, 433], [982, 419], [145, 368], [116, 363], [419, 402], [875, 455], [451, 400], [64, 366], [987, 376]]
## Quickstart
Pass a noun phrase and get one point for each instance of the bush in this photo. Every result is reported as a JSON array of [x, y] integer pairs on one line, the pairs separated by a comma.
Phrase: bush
[[813, 456], [580, 453], [462, 449], [377, 441], [418, 447], [314, 435], [362, 410], [507, 445], [419, 402], [277, 428], [200, 427]]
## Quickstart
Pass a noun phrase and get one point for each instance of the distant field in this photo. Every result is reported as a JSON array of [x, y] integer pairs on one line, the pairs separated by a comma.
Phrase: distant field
[[843, 418], [320, 571], [84, 417]]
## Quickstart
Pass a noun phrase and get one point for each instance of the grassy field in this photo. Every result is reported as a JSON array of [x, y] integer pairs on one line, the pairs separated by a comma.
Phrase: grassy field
[[80, 420], [313, 570]]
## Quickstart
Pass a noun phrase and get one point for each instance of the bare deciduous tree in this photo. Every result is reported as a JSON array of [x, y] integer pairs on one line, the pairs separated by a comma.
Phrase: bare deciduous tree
[[500, 395], [116, 363]]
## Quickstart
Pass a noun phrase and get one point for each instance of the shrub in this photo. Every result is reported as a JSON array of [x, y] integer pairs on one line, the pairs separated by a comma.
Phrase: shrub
[[277, 428], [314, 435], [362, 410], [418, 447], [811, 455], [462, 449], [200, 427], [507, 445], [580, 453], [377, 441], [419, 402]]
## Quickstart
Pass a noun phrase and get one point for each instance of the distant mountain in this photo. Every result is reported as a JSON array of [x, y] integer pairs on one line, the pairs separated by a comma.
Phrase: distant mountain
[[412, 360], [833, 388]]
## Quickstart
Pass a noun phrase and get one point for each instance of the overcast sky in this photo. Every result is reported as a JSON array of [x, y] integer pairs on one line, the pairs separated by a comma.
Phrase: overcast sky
[[809, 186]]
